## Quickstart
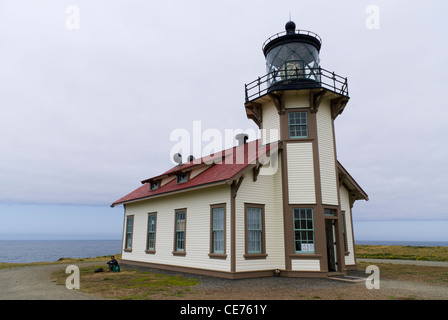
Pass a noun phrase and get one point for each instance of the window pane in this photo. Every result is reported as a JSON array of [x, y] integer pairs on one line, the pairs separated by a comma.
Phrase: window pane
[[129, 227], [151, 232], [254, 229], [180, 223], [218, 230], [218, 219], [130, 223], [180, 231], [218, 242], [180, 241], [151, 241], [152, 223]]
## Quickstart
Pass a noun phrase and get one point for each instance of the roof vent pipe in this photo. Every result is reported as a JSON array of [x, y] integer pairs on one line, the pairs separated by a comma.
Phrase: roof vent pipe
[[242, 138]]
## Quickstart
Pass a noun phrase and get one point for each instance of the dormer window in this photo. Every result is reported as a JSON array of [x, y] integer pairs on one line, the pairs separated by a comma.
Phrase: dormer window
[[154, 185], [182, 177]]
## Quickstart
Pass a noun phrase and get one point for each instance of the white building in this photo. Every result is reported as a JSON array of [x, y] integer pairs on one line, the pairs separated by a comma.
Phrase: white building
[[281, 204]]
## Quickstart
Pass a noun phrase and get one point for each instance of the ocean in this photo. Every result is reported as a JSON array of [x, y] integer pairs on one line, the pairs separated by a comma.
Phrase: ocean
[[24, 251]]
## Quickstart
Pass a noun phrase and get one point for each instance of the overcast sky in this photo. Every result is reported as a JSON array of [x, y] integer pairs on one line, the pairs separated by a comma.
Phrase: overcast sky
[[87, 113]]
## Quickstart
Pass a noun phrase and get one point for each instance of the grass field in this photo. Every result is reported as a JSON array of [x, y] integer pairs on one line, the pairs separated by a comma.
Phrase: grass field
[[402, 252], [130, 284]]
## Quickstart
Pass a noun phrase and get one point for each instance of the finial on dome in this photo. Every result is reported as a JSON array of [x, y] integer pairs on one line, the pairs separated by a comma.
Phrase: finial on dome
[[290, 27]]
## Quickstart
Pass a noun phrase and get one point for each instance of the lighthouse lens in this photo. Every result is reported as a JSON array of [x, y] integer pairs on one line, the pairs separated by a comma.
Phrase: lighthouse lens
[[293, 60]]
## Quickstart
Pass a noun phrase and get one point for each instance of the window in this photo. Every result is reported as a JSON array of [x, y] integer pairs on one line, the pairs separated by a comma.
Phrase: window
[[151, 240], [298, 125], [217, 236], [294, 69], [180, 224], [303, 230], [255, 235], [182, 177], [129, 231], [330, 212], [155, 185]]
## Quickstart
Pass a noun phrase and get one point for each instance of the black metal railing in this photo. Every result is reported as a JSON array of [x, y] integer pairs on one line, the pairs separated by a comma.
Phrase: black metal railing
[[296, 79], [283, 33]]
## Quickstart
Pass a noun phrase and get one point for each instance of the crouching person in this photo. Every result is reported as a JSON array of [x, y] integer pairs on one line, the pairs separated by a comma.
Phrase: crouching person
[[112, 265]]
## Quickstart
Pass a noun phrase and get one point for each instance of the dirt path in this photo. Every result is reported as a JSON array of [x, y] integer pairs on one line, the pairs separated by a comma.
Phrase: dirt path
[[34, 283]]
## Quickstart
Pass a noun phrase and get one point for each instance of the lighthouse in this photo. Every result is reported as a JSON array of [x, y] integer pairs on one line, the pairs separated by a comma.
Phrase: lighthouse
[[300, 100], [239, 219]]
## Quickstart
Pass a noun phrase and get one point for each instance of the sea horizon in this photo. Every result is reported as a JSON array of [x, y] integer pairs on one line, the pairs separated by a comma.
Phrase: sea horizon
[[27, 251]]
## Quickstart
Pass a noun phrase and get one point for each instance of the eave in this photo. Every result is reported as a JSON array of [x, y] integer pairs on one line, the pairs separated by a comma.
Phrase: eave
[[355, 190]]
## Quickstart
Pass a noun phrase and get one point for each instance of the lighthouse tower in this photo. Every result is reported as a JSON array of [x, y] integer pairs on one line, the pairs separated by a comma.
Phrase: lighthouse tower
[[297, 102]]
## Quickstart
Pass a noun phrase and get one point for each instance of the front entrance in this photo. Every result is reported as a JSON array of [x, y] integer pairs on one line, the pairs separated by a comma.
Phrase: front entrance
[[331, 245]]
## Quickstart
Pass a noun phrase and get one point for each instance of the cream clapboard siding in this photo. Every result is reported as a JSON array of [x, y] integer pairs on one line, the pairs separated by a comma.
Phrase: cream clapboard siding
[[327, 159], [305, 265], [345, 206], [196, 172], [301, 187], [166, 180], [197, 204], [270, 125], [266, 190], [300, 99]]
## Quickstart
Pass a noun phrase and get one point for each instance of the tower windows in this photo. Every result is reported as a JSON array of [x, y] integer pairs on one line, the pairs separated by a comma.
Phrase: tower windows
[[298, 124]]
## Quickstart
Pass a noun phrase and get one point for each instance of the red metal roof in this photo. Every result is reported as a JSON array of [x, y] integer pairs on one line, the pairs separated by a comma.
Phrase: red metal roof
[[219, 168]]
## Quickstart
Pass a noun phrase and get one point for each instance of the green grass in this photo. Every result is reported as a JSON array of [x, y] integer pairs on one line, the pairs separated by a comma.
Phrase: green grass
[[402, 252], [419, 274], [130, 284]]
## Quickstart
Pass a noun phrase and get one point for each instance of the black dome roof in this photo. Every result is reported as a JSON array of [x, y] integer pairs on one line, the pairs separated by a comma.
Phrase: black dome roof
[[290, 26]]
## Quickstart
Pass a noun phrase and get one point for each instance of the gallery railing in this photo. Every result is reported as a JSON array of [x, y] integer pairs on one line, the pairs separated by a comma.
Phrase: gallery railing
[[296, 79]]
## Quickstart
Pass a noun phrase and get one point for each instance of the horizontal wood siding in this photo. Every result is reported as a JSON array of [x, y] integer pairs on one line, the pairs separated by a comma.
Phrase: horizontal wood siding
[[266, 190], [197, 204], [300, 173], [305, 265], [300, 99], [271, 124], [327, 161]]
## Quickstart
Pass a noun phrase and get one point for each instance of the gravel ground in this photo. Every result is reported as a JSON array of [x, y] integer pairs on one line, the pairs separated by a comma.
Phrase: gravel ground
[[273, 288], [35, 283]]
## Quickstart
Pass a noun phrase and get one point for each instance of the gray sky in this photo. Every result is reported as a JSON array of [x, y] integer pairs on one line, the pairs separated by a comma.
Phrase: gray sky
[[86, 114]]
